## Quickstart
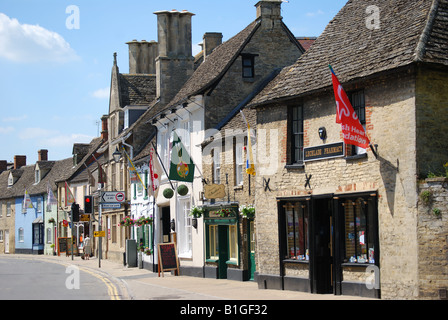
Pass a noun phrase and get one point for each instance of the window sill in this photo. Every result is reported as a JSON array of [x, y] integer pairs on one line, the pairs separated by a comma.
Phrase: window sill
[[212, 260], [232, 262], [295, 166], [356, 157], [296, 261], [238, 188], [354, 264]]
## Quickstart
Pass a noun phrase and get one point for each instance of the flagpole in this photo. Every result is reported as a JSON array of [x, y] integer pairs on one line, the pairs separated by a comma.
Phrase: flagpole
[[370, 144], [160, 160]]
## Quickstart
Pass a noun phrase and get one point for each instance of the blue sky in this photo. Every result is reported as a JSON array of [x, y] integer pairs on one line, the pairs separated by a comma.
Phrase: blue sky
[[55, 77]]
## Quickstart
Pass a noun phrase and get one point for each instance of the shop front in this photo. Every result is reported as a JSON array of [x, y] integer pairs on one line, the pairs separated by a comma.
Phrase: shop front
[[222, 242], [329, 243]]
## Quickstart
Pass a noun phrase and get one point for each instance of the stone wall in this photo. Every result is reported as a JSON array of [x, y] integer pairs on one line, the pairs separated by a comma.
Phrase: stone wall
[[432, 233], [390, 115]]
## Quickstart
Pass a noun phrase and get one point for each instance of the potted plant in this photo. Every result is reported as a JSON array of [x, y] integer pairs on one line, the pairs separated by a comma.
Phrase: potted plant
[[196, 212], [223, 213], [52, 246], [247, 212], [148, 251], [51, 220], [141, 247], [127, 221]]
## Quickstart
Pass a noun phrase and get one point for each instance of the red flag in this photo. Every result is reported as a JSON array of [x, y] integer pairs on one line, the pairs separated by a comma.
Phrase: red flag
[[352, 129]]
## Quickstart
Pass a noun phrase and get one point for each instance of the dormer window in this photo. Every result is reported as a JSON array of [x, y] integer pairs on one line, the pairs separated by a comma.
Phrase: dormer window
[[248, 66], [36, 176]]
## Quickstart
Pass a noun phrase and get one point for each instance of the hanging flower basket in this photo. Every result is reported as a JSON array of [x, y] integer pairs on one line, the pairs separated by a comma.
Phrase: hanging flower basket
[[51, 220], [143, 221], [247, 212], [223, 213], [168, 193], [182, 190], [148, 251], [196, 212], [127, 222]]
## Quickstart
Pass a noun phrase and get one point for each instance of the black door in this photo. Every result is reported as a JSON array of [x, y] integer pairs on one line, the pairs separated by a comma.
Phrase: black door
[[322, 253], [166, 224]]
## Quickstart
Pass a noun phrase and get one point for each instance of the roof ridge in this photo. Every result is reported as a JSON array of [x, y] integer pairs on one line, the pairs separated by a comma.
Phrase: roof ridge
[[420, 49]]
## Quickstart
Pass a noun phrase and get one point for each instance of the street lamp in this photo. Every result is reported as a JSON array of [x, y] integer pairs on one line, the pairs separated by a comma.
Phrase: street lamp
[[116, 155]]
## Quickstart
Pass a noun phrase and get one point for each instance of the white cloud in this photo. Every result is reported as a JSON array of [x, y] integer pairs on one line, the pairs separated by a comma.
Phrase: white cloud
[[6, 130], [32, 43], [102, 93], [64, 140], [313, 14], [15, 119], [36, 133]]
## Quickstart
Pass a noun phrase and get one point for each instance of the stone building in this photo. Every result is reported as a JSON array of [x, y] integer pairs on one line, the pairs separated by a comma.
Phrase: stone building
[[228, 76], [336, 219]]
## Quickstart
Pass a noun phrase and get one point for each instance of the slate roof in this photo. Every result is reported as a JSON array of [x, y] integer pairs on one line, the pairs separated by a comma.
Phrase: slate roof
[[26, 179], [137, 89], [410, 31]]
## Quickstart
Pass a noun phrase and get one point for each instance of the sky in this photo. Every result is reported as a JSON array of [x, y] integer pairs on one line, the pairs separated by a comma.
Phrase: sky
[[56, 59]]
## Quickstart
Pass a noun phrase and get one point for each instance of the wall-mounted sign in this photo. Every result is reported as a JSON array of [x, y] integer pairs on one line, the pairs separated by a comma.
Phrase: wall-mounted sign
[[325, 151], [214, 191]]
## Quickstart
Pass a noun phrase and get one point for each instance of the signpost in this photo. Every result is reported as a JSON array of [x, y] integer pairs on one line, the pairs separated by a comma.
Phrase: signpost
[[168, 258], [98, 234], [108, 200]]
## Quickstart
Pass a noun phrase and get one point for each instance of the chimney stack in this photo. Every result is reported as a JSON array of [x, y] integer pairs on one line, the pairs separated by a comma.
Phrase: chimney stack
[[142, 55], [104, 132], [42, 155], [175, 63], [19, 161], [3, 165], [269, 10], [211, 41]]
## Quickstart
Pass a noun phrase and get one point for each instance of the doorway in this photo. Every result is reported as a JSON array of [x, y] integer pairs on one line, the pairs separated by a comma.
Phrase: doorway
[[322, 233], [6, 241], [223, 250], [251, 250], [166, 230]]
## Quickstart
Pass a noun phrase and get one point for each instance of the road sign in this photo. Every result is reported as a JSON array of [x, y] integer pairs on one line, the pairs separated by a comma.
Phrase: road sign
[[84, 217], [99, 233], [110, 205], [113, 197]]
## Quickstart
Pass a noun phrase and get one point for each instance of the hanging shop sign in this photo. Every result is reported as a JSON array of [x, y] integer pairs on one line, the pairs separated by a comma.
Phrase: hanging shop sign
[[325, 151], [214, 191]]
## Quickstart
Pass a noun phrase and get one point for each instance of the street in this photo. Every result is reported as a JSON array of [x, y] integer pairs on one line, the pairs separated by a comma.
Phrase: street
[[32, 279]]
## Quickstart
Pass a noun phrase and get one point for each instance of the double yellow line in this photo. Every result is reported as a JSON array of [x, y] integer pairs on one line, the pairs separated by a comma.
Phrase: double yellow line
[[111, 288]]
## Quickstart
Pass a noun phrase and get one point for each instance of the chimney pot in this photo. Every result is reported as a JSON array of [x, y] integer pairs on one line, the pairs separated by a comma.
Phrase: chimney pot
[[3, 165], [19, 161], [42, 155], [104, 132]]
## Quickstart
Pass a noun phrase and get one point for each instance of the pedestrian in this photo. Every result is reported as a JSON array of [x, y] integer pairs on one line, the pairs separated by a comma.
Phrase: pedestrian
[[87, 248]]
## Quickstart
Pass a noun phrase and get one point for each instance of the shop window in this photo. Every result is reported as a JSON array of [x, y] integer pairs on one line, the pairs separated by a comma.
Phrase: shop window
[[295, 128], [359, 231], [233, 243], [212, 252], [297, 242]]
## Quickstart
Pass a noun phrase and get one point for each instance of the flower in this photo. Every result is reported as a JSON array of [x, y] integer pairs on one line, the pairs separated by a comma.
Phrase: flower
[[196, 212], [224, 212], [148, 251], [143, 221], [247, 211], [127, 221]]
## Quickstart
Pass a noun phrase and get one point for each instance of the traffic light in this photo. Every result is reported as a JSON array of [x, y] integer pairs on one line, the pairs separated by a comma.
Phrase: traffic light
[[75, 212], [88, 204]]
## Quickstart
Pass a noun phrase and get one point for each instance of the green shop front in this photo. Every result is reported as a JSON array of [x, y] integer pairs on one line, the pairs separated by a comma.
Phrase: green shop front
[[229, 243]]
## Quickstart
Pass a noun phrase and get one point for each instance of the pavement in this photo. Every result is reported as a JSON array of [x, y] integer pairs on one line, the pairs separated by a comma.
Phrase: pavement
[[126, 283]]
